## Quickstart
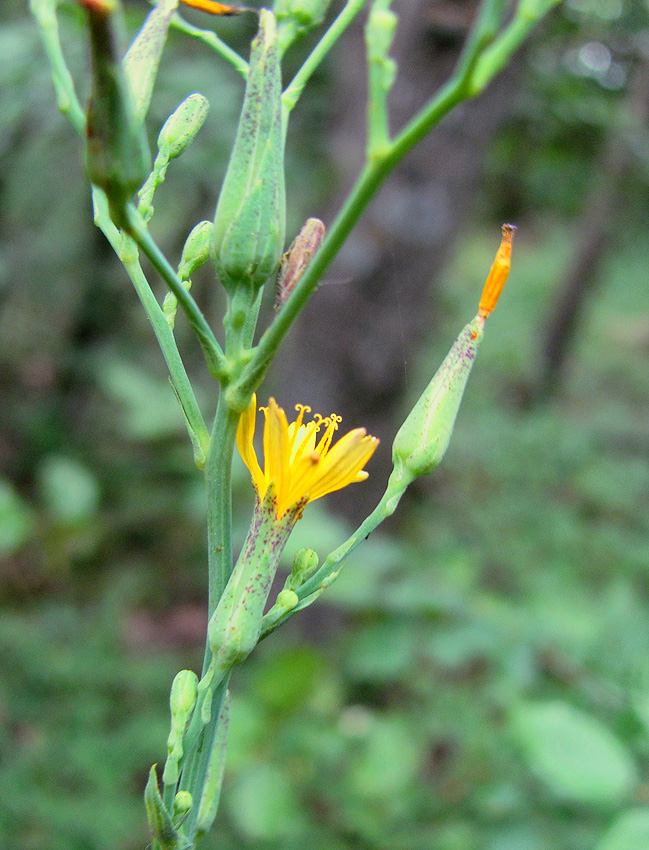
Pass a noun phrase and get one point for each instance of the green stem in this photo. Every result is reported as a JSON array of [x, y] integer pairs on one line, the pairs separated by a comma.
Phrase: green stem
[[196, 765], [161, 328], [199, 739], [216, 360], [296, 87], [212, 40], [385, 508], [497, 54], [328, 572], [66, 95], [218, 477]]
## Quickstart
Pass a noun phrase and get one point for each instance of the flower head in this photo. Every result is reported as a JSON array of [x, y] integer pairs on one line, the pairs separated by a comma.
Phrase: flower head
[[299, 458]]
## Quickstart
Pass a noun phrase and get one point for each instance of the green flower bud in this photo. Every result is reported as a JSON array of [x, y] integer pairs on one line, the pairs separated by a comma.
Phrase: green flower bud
[[183, 695], [143, 56], [117, 154], [180, 129], [423, 438], [184, 692], [182, 805], [534, 9], [250, 222], [305, 563], [379, 32], [286, 600], [305, 13], [197, 249]]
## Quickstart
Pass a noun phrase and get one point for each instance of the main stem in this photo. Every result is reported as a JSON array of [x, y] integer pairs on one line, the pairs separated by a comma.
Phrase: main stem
[[199, 740], [218, 478]]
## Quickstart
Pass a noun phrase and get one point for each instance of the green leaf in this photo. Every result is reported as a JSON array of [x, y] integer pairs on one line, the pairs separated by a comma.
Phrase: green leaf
[[15, 520], [68, 488], [149, 411], [264, 806], [579, 759], [387, 762], [629, 832]]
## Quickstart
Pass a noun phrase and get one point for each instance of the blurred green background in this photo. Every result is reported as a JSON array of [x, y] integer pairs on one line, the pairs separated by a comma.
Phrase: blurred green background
[[478, 679]]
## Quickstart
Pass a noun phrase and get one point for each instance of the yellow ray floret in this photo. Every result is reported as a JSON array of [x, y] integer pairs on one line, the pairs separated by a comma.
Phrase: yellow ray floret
[[299, 458]]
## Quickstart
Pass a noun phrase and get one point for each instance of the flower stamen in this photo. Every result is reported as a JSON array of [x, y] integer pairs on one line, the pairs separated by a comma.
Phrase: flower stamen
[[297, 467]]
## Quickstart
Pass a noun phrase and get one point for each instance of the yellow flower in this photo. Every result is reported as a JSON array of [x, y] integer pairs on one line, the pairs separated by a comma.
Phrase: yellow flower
[[299, 467]]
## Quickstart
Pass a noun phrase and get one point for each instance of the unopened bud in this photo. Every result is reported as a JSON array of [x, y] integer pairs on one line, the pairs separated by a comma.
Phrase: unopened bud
[[180, 129], [422, 440], [379, 31], [305, 13], [250, 222], [182, 804], [286, 600], [197, 249], [196, 252], [117, 154], [298, 258], [143, 56], [305, 563], [183, 694], [534, 9]]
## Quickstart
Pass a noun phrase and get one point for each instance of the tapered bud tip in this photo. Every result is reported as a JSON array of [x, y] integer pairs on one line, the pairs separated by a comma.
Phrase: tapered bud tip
[[498, 274], [216, 8], [105, 7]]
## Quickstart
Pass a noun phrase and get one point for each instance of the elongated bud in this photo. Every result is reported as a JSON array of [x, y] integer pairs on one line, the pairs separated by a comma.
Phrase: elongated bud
[[183, 695], [184, 692], [215, 8], [196, 252], [250, 222], [197, 249], [143, 56], [298, 258], [379, 35], [422, 440], [180, 129], [117, 154]]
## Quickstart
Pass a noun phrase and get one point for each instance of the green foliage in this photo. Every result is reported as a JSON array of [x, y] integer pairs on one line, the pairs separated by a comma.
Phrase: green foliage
[[574, 754]]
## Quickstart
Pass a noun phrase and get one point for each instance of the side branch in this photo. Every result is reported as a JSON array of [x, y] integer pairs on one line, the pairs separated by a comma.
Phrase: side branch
[[216, 359]]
